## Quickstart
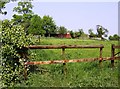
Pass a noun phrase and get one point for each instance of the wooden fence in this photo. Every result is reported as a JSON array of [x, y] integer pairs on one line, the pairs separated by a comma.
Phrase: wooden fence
[[63, 47], [64, 60]]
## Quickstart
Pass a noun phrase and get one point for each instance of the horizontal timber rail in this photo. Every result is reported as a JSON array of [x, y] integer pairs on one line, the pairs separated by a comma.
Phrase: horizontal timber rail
[[67, 61], [116, 46], [63, 46]]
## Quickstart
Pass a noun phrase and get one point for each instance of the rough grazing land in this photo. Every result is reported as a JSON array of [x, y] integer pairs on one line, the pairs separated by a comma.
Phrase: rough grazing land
[[85, 74]]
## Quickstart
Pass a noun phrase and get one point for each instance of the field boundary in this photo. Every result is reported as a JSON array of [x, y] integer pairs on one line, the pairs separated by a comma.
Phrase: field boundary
[[64, 60], [63, 47]]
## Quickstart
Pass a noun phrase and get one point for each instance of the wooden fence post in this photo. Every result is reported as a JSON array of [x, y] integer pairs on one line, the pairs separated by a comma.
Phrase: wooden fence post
[[24, 54], [112, 55], [64, 64], [100, 61]]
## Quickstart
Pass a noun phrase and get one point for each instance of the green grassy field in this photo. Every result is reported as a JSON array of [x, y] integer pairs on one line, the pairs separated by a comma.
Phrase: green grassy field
[[84, 74]]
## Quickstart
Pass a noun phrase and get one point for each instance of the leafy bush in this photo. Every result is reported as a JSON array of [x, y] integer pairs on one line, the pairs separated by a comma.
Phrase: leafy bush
[[14, 39]]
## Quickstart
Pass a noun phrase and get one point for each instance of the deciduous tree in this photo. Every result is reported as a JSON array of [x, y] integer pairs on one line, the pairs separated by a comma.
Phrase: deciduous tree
[[114, 37], [101, 31], [91, 34], [62, 30], [48, 25], [35, 27], [24, 9]]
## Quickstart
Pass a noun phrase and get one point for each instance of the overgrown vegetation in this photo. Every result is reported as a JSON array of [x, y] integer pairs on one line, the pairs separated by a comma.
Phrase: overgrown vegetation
[[13, 40]]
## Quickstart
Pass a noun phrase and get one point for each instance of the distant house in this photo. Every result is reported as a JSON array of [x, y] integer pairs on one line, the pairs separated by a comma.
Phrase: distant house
[[67, 35]]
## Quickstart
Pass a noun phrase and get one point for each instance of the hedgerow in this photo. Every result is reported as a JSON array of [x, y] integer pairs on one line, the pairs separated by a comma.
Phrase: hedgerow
[[14, 39]]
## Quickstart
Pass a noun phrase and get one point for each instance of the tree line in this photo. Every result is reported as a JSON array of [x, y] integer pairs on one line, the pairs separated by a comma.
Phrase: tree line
[[45, 26]]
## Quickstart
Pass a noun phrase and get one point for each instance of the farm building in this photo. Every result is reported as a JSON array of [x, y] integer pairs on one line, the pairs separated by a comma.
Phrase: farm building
[[67, 35]]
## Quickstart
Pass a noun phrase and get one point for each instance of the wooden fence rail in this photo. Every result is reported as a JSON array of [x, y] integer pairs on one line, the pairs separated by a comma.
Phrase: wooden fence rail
[[68, 61], [63, 47]]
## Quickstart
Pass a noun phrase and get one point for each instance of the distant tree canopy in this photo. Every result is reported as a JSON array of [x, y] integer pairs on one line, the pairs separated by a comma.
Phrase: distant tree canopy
[[62, 30], [91, 34], [78, 33], [81, 32], [101, 31], [114, 37], [72, 34]]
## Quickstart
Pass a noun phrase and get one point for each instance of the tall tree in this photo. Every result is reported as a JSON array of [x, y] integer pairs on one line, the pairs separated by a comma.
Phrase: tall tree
[[48, 25], [72, 34], [24, 9], [62, 30], [81, 32], [101, 31], [91, 34], [36, 26]]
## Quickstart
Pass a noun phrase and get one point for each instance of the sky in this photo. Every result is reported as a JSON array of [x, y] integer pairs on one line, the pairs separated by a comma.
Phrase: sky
[[76, 14]]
